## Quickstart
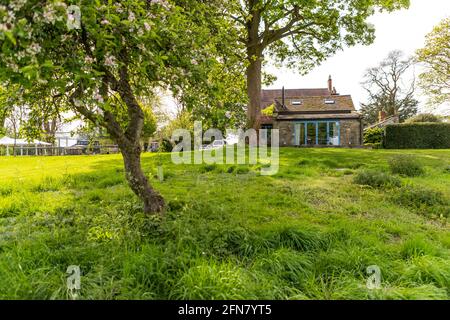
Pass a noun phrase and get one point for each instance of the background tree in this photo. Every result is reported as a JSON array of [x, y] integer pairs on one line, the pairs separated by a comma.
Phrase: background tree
[[118, 52], [45, 115], [299, 34], [149, 128], [183, 120], [4, 109], [435, 57], [424, 117], [390, 89], [14, 122]]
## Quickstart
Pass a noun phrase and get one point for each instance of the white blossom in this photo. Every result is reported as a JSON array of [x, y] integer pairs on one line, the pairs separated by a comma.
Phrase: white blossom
[[77, 103], [162, 3], [98, 97], [34, 48], [141, 46], [16, 5], [49, 14], [110, 60], [13, 66]]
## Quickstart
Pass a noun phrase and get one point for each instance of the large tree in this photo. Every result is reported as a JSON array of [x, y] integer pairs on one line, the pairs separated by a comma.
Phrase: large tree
[[390, 87], [435, 56], [102, 63], [4, 109], [299, 33]]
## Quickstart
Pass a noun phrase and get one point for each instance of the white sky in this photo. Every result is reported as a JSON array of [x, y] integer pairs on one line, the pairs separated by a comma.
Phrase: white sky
[[402, 30]]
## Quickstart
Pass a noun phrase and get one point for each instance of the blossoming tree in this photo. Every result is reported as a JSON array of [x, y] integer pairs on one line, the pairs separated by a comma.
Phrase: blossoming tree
[[100, 57]]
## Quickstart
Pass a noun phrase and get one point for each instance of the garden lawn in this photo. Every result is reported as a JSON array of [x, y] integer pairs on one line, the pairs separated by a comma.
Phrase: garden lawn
[[309, 232]]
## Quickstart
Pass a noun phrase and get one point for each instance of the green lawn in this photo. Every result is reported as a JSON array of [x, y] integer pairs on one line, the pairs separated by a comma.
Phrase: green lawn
[[309, 232]]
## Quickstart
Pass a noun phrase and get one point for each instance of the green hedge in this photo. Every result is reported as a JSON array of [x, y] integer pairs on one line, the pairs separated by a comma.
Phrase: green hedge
[[373, 136], [417, 136]]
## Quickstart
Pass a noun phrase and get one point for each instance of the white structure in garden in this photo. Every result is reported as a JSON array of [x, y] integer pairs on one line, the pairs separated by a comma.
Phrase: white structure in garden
[[23, 145]]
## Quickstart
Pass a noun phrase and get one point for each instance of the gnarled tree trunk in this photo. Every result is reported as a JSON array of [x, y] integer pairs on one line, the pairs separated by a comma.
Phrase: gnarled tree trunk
[[153, 201], [128, 138]]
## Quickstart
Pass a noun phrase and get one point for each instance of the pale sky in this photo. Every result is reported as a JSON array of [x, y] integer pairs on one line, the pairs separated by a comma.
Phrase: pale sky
[[402, 30]]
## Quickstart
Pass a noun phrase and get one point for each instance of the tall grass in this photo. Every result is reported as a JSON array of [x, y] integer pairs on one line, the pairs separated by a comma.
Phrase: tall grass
[[307, 233]]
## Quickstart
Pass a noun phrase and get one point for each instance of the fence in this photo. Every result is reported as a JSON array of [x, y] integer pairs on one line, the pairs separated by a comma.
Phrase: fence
[[56, 151]]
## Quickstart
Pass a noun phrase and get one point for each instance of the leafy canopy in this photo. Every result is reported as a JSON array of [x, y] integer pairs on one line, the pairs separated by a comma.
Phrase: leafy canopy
[[120, 52], [435, 56], [303, 33]]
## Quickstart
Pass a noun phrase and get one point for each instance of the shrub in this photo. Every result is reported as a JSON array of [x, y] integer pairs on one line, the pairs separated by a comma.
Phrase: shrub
[[406, 165], [166, 146], [242, 170], [208, 168], [304, 162], [417, 136], [268, 111], [374, 145], [376, 179], [373, 136], [230, 169], [417, 197], [424, 117]]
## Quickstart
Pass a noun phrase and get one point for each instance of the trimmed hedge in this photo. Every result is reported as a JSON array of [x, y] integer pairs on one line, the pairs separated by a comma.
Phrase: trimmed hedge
[[417, 136]]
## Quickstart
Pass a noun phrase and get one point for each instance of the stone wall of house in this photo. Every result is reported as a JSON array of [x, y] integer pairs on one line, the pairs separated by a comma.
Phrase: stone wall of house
[[286, 132], [350, 132]]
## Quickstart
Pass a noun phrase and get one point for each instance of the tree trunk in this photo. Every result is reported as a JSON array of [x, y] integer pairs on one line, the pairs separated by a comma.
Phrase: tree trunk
[[254, 59], [153, 201], [254, 90]]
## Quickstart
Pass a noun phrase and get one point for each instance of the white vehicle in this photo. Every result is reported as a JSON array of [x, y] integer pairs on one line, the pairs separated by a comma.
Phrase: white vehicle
[[218, 144], [205, 147]]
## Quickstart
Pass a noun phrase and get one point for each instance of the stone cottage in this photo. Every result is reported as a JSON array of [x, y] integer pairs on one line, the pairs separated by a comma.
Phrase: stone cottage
[[312, 117]]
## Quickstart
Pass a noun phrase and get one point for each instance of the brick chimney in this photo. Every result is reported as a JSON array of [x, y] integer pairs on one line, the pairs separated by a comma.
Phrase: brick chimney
[[330, 85], [381, 116]]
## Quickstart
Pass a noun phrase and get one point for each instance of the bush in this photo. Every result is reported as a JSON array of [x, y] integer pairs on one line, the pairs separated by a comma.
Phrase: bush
[[374, 145], [166, 146], [208, 168], [376, 179], [406, 165], [418, 197], [373, 136], [417, 136], [423, 117]]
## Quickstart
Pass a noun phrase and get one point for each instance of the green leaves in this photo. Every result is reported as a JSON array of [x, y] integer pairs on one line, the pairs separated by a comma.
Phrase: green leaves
[[435, 56], [9, 35]]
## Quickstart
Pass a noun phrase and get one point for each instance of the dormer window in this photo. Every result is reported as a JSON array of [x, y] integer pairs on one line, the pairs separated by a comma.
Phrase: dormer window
[[330, 101], [296, 102]]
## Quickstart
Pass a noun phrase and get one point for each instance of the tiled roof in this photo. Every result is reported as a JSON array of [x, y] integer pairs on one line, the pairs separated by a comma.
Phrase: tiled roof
[[318, 103], [352, 115], [269, 96], [310, 100]]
